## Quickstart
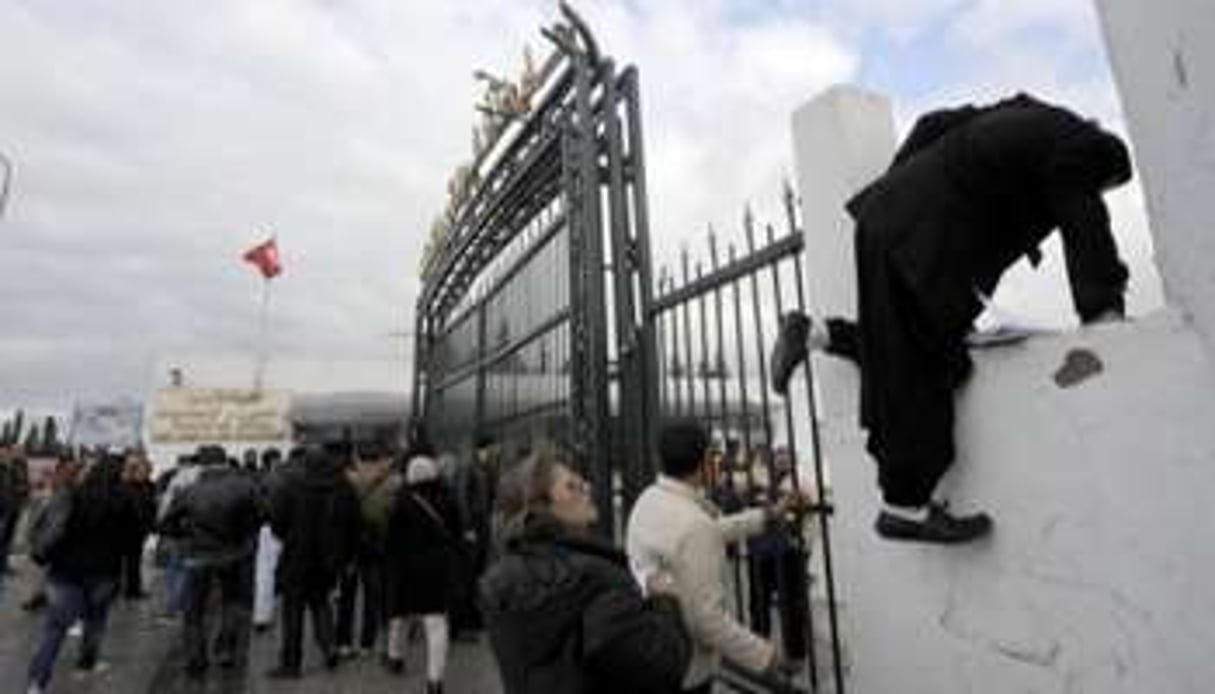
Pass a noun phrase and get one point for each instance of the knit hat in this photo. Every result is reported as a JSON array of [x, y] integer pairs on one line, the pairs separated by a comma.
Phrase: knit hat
[[421, 469]]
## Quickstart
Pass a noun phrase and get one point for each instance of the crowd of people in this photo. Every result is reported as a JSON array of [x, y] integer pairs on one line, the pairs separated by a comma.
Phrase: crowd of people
[[379, 547], [373, 545]]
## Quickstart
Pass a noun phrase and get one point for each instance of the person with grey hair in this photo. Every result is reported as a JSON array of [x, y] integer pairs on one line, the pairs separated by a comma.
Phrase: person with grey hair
[[423, 532], [563, 612]]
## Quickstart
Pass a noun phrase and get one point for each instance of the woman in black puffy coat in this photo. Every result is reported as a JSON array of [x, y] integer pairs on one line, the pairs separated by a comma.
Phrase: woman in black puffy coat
[[564, 613]]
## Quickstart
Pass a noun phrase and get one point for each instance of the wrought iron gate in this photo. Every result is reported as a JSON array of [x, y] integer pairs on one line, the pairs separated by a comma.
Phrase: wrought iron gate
[[538, 321], [531, 321]]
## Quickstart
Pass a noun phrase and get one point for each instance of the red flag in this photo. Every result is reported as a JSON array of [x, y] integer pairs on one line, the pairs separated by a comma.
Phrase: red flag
[[265, 256]]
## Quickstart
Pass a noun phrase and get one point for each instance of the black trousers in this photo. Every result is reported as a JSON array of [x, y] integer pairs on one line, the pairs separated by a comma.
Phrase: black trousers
[[910, 369], [235, 583], [366, 578], [468, 564], [783, 576], [294, 603], [132, 570]]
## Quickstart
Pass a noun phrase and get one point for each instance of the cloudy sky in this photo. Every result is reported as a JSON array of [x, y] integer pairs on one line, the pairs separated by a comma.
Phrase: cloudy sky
[[154, 140]]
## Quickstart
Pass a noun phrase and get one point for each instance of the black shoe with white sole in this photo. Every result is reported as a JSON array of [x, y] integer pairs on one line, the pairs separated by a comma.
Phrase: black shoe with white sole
[[939, 527]]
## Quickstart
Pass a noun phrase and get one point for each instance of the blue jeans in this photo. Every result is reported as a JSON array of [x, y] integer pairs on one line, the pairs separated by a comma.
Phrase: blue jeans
[[68, 600], [176, 577]]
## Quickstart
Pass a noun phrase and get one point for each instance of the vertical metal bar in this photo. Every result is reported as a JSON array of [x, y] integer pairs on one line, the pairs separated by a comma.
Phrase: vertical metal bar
[[645, 278], [719, 366], [676, 369], [703, 367], [590, 335], [823, 511], [744, 401], [630, 354], [661, 330], [688, 367], [479, 427], [811, 664], [749, 225]]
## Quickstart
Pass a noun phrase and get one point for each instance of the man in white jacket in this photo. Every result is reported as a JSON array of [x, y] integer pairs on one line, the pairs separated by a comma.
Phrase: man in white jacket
[[675, 529]]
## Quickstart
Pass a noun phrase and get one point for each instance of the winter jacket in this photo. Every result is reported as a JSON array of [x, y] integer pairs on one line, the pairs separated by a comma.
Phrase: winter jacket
[[564, 615], [102, 524], [423, 537], [315, 513], [216, 518], [674, 528], [143, 493]]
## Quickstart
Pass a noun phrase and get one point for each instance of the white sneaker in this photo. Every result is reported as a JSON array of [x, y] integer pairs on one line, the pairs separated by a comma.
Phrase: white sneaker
[[77, 630], [34, 689]]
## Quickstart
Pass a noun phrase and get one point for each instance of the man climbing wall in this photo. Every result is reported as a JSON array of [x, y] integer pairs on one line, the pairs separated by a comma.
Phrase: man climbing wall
[[970, 191]]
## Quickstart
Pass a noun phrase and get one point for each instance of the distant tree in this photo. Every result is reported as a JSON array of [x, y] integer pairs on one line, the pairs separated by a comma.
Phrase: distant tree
[[18, 425], [33, 441], [6, 439], [50, 437]]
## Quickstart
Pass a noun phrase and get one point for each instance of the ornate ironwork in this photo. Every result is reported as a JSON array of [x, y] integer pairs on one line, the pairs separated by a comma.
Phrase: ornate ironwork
[[557, 169]]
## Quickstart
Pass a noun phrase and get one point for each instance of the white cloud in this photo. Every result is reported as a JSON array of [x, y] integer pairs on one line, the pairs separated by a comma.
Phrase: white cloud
[[156, 140]]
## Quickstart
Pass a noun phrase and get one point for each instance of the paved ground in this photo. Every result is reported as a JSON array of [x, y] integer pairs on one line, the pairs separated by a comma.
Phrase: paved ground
[[144, 655]]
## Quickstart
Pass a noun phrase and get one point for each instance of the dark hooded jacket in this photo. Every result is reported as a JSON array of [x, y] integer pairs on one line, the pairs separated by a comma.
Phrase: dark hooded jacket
[[564, 615], [315, 513]]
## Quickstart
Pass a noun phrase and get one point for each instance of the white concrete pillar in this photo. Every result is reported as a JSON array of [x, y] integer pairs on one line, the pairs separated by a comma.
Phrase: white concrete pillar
[[842, 139]]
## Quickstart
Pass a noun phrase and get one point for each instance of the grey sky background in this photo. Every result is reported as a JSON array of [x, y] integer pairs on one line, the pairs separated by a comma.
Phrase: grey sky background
[[156, 140]]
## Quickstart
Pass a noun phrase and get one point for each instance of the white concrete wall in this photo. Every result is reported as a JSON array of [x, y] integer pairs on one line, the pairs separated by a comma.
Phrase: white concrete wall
[[1097, 578], [1163, 58]]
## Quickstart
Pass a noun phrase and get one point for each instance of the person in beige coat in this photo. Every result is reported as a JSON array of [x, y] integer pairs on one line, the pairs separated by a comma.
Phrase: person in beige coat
[[675, 529]]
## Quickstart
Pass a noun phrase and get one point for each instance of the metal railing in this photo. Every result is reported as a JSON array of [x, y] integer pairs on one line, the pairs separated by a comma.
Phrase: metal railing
[[716, 323]]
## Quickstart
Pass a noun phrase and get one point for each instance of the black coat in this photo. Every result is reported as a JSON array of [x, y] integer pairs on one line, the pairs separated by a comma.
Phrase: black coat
[[980, 190], [564, 615], [217, 518], [103, 524], [143, 493], [421, 549], [972, 191], [315, 513]]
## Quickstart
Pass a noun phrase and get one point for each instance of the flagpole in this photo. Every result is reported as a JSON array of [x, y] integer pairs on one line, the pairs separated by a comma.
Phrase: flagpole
[[263, 352]]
